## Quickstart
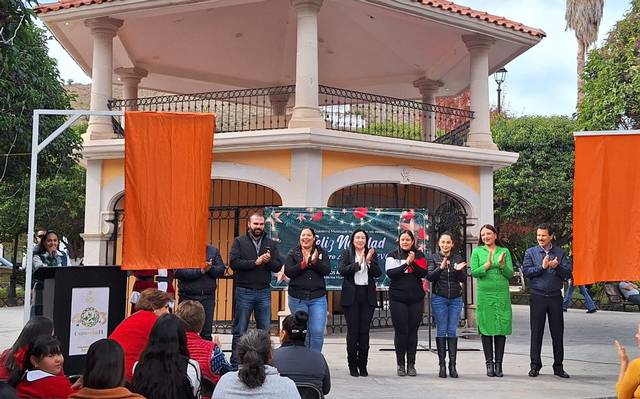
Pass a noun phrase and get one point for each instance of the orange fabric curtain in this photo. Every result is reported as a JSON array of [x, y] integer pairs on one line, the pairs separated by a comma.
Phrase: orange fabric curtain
[[606, 208], [167, 182]]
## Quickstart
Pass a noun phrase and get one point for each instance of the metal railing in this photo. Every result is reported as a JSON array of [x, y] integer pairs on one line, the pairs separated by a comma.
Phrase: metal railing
[[358, 112], [236, 110], [344, 110]]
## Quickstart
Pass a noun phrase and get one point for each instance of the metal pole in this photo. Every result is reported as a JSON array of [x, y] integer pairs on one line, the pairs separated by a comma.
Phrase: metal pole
[[32, 214], [499, 95]]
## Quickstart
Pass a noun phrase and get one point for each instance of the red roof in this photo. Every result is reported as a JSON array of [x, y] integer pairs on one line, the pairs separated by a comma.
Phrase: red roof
[[441, 4]]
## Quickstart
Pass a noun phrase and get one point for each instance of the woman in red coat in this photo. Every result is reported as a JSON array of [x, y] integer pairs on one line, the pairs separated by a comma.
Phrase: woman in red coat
[[132, 334]]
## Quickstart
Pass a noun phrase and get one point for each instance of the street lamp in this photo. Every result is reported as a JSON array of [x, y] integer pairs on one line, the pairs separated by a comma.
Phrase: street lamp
[[499, 76]]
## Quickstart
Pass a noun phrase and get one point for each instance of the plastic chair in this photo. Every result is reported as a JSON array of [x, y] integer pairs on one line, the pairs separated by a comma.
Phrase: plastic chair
[[309, 391]]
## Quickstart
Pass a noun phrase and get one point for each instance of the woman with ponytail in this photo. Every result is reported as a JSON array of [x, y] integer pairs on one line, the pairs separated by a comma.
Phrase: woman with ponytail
[[294, 360], [406, 267], [255, 378]]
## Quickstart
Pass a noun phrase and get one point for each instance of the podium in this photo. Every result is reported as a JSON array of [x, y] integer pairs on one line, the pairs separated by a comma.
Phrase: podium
[[86, 303]]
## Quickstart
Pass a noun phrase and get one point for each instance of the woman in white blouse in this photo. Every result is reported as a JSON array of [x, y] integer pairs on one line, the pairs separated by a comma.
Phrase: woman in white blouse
[[359, 267]]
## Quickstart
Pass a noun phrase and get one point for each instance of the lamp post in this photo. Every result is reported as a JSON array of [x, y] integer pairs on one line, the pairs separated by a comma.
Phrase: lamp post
[[499, 76]]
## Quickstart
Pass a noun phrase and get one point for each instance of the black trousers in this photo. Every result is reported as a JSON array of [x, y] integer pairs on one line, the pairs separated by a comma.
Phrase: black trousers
[[541, 308], [358, 317], [208, 302], [406, 318]]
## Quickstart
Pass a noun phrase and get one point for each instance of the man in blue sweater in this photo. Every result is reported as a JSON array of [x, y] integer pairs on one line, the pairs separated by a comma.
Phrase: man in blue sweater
[[546, 267]]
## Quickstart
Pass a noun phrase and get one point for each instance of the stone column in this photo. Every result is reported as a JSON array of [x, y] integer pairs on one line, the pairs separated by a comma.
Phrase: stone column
[[480, 131], [130, 78], [103, 30], [306, 112], [428, 89], [94, 239]]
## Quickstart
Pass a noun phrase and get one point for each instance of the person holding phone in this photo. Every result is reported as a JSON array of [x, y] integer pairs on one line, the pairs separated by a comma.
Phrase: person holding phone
[[306, 266], [253, 257], [200, 285], [358, 265], [492, 267], [406, 266]]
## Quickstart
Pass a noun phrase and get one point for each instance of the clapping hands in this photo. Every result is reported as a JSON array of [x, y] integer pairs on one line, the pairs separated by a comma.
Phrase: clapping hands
[[460, 266]]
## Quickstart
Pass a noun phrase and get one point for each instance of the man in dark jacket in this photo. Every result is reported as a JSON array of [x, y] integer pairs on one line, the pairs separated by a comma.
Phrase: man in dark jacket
[[253, 258], [546, 267], [200, 285]]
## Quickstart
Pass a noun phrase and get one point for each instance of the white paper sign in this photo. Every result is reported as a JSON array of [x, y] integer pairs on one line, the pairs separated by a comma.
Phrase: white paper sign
[[89, 318]]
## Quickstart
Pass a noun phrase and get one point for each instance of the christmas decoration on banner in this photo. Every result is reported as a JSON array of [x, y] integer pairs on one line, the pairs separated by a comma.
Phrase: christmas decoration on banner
[[335, 226]]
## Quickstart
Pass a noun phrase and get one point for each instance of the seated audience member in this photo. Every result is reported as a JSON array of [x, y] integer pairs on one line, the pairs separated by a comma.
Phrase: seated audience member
[[7, 391], [630, 291], [133, 332], [628, 386], [13, 358], [255, 377], [104, 373], [200, 349], [43, 377], [165, 370], [294, 360]]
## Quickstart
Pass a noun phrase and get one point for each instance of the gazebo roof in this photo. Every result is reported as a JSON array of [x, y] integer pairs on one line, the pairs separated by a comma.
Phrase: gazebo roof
[[374, 46]]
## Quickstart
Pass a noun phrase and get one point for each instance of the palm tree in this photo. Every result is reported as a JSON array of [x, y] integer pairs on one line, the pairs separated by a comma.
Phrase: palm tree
[[583, 17]]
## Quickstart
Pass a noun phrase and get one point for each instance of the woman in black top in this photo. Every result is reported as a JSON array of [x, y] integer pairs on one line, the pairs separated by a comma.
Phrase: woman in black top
[[359, 267], [306, 266], [406, 267], [446, 270]]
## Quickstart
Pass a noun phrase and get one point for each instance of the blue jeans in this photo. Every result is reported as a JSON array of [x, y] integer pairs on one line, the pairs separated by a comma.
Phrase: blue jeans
[[249, 301], [583, 290], [447, 313], [317, 309]]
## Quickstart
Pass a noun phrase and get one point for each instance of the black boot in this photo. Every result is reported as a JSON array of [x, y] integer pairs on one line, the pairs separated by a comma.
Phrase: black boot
[[352, 361], [487, 347], [500, 340], [441, 344], [363, 355], [452, 344]]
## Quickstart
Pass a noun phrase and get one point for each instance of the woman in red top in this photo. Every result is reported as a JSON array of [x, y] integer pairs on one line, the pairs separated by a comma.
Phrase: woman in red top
[[132, 334], [13, 358], [43, 378]]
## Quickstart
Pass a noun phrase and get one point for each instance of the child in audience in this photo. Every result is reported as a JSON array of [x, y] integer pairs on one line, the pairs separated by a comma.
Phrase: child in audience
[[43, 378], [12, 359]]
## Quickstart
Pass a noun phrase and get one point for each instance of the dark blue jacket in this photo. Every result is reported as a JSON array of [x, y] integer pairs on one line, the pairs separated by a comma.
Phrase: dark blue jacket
[[545, 282], [192, 282]]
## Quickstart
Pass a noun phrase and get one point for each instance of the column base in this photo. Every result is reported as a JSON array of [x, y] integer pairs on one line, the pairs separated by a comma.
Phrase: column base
[[100, 131], [307, 117], [95, 246], [481, 140]]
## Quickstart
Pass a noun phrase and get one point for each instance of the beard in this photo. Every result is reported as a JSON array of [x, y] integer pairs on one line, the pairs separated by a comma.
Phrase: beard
[[257, 232]]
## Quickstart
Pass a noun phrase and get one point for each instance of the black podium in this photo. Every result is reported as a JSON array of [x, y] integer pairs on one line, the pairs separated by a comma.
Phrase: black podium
[[86, 303]]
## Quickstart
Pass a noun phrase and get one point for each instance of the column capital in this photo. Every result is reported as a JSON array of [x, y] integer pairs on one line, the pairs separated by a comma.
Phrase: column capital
[[479, 42], [131, 75], [104, 25], [312, 5], [427, 86]]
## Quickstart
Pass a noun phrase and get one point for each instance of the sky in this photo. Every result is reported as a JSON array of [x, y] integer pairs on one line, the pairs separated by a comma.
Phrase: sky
[[542, 81]]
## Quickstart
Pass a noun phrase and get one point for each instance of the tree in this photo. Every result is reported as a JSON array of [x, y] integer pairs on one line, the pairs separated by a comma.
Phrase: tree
[[612, 78], [29, 80], [583, 17], [539, 186]]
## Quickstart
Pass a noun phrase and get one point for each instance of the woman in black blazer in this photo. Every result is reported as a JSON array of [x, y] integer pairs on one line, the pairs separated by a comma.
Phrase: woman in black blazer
[[359, 267]]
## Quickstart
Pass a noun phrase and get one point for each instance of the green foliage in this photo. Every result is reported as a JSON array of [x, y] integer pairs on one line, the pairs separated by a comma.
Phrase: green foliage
[[612, 79], [539, 187], [394, 129], [29, 80]]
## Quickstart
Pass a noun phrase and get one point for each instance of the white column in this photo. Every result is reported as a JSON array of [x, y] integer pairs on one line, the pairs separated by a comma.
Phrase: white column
[[306, 179], [130, 79], [428, 89], [94, 240], [486, 196], [306, 112], [480, 130], [103, 30]]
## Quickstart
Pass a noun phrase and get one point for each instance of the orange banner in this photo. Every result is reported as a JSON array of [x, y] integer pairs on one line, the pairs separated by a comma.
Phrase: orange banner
[[606, 208], [167, 182]]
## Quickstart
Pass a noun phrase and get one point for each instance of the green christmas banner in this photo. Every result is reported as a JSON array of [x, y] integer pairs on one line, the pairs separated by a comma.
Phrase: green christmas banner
[[334, 226]]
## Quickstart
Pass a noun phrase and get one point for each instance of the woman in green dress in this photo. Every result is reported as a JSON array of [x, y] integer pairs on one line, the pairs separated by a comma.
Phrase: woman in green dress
[[491, 266]]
